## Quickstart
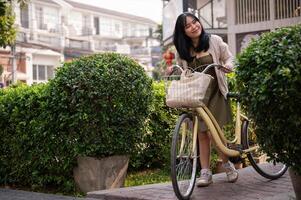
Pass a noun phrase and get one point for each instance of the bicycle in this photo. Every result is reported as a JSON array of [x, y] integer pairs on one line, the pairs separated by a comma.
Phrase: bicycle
[[184, 150]]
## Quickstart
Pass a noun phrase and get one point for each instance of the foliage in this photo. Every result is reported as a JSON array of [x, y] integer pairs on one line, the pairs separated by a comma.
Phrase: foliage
[[161, 66], [269, 78], [1, 69], [159, 33], [95, 106], [27, 151], [149, 176], [159, 70], [154, 150], [2, 7], [103, 97], [7, 30]]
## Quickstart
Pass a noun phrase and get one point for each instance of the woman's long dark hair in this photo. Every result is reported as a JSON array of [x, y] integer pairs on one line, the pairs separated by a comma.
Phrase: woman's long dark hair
[[183, 43]]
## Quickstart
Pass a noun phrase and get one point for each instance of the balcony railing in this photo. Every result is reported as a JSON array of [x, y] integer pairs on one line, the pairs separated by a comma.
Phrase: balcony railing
[[140, 51], [86, 31], [287, 9], [84, 45], [106, 48], [50, 40], [21, 37], [253, 11]]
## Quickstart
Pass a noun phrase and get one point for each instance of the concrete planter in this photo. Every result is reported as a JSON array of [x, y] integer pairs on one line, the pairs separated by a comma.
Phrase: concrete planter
[[296, 181], [93, 174]]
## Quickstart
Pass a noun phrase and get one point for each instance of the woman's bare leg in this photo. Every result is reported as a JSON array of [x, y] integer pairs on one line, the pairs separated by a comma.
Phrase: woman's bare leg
[[224, 158], [205, 149]]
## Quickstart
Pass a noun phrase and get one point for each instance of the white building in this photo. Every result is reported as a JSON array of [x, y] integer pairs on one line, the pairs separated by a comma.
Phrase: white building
[[53, 31], [236, 21]]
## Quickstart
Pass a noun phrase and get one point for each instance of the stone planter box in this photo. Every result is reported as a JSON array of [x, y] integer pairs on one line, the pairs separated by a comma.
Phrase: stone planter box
[[93, 174]]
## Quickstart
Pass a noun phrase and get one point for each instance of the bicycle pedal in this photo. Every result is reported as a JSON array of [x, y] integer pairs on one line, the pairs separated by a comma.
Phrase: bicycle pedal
[[237, 147]]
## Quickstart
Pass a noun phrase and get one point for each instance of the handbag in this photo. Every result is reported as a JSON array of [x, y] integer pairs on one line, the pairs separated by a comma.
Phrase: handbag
[[190, 91]]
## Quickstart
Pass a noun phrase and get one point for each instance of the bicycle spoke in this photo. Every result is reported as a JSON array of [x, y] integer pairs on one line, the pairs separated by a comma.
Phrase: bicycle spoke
[[258, 159], [183, 160]]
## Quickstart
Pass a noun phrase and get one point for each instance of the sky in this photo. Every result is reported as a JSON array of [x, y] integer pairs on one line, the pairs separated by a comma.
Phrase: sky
[[151, 9]]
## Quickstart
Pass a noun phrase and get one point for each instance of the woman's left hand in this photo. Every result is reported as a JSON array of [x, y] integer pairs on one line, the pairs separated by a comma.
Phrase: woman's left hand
[[226, 69]]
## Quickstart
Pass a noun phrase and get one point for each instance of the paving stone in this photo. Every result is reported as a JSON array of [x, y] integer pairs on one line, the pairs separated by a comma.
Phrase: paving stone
[[249, 186]]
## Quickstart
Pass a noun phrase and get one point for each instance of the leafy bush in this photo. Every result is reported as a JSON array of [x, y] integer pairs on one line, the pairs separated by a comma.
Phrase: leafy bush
[[103, 100], [1, 69], [154, 150], [269, 77], [7, 30], [95, 106], [22, 140]]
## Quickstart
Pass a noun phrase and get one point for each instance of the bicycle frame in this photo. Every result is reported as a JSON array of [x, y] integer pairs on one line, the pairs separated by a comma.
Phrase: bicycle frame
[[217, 134], [215, 130], [184, 154]]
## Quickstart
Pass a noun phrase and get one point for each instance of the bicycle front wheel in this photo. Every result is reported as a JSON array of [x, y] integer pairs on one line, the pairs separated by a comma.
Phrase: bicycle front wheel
[[258, 159], [183, 158]]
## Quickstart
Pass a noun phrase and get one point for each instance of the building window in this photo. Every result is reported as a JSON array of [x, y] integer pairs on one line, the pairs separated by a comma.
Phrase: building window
[[40, 18], [96, 25], [24, 16], [117, 28], [106, 27], [47, 18], [76, 21], [140, 31], [213, 14], [42, 73], [126, 29]]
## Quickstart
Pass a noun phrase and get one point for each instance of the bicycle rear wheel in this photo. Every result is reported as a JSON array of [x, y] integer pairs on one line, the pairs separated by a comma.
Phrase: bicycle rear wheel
[[183, 160], [266, 168]]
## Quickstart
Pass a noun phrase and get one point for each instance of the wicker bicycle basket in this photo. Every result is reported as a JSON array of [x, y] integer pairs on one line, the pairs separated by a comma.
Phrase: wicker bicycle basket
[[187, 91]]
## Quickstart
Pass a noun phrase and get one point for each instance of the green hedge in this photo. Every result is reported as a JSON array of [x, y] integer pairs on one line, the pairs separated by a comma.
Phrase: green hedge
[[154, 150], [95, 106], [269, 78], [102, 99], [25, 149]]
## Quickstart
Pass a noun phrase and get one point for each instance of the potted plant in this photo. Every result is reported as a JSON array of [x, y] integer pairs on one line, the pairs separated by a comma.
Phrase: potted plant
[[102, 101], [269, 79], [76, 129]]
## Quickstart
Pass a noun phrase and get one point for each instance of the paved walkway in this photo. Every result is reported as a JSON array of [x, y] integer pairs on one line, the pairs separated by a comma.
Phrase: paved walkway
[[249, 186]]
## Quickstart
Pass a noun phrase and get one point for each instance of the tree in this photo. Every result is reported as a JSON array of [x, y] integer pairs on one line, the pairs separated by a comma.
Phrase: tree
[[8, 31]]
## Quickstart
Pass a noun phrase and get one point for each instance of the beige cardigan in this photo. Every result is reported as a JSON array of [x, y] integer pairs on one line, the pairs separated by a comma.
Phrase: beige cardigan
[[221, 55]]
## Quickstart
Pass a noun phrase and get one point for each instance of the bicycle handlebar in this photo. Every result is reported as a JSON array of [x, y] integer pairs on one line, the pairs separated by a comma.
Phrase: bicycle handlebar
[[175, 68], [208, 67]]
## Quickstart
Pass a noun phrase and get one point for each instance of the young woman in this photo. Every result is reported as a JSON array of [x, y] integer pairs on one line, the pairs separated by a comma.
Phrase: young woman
[[195, 48]]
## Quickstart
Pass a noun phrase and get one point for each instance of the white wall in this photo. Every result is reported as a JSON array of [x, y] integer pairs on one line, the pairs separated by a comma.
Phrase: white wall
[[46, 60]]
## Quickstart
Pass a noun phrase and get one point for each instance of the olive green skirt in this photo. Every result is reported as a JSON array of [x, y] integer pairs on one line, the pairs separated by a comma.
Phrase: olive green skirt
[[218, 106]]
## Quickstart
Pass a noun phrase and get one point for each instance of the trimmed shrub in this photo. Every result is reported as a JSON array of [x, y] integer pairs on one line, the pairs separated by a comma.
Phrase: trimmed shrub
[[95, 106], [269, 78], [101, 102], [154, 150], [22, 140]]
